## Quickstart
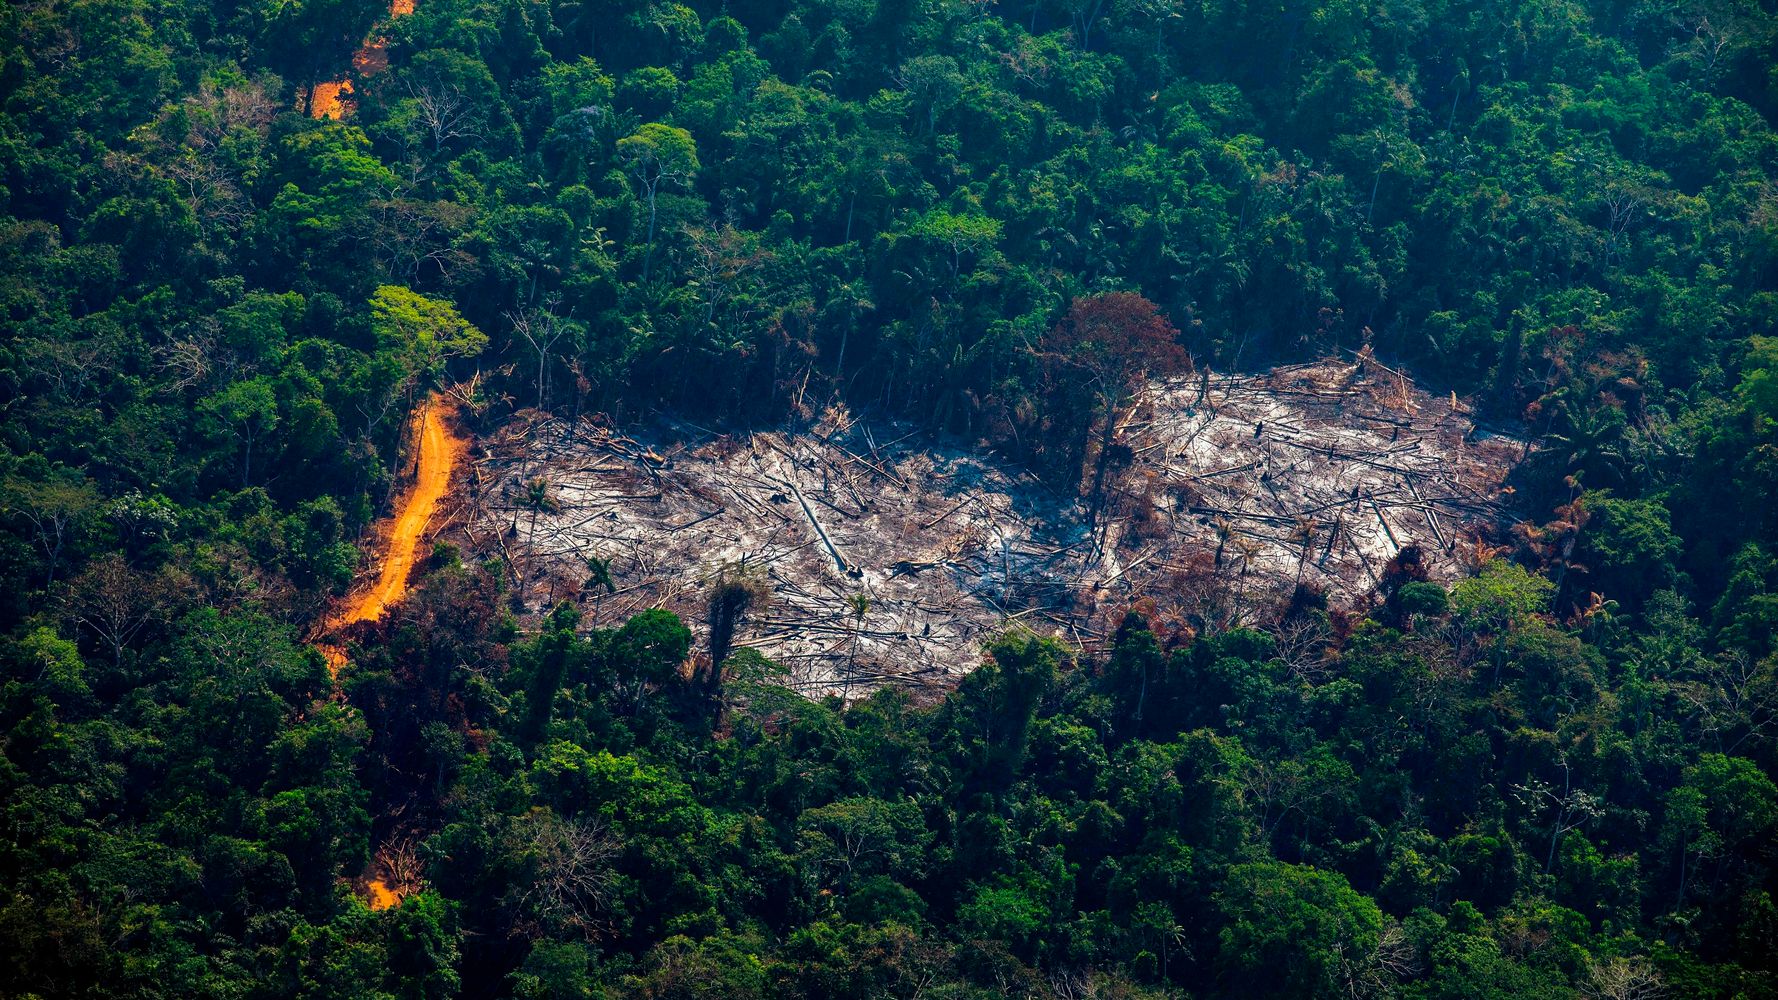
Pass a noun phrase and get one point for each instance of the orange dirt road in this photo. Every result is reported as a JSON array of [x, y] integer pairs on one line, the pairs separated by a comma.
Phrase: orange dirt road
[[381, 896], [439, 453], [333, 98]]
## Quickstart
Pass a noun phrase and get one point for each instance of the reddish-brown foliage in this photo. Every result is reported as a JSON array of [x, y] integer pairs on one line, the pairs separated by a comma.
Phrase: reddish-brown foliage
[[1118, 338]]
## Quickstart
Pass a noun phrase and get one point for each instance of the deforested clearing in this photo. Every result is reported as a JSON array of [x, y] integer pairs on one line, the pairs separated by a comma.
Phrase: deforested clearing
[[887, 555]]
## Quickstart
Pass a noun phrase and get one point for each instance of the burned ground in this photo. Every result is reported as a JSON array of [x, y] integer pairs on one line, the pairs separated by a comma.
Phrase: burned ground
[[887, 556]]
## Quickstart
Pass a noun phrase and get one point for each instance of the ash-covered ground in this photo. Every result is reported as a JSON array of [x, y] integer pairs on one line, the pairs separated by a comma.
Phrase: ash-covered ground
[[888, 556]]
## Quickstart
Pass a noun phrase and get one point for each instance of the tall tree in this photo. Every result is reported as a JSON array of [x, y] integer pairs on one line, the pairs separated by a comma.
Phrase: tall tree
[[1113, 343], [420, 333], [658, 154]]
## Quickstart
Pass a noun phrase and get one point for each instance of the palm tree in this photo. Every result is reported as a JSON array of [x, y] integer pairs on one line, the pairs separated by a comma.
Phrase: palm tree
[[1224, 529], [537, 499], [859, 605], [1303, 533], [598, 580], [1590, 444], [1246, 551]]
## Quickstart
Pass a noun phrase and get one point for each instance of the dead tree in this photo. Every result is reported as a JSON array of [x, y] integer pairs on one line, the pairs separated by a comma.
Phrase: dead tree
[[116, 603], [1113, 343], [736, 589], [540, 328]]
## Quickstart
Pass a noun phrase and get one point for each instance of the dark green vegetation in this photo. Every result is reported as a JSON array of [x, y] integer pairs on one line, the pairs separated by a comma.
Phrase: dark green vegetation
[[1554, 779]]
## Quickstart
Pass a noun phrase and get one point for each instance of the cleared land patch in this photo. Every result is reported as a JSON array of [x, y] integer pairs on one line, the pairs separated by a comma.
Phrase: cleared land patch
[[889, 555]]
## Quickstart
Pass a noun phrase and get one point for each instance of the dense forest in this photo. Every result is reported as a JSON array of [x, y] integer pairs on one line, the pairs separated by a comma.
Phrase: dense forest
[[218, 311]]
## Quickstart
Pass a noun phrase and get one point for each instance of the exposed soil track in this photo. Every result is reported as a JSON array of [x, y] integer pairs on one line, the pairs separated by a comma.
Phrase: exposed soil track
[[439, 452], [333, 98]]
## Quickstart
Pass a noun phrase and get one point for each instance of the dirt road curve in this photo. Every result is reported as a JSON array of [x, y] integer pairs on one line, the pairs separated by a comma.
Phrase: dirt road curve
[[439, 453]]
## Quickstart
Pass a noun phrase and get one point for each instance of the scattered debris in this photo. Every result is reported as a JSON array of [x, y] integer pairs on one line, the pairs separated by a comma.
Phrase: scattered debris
[[890, 556]]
